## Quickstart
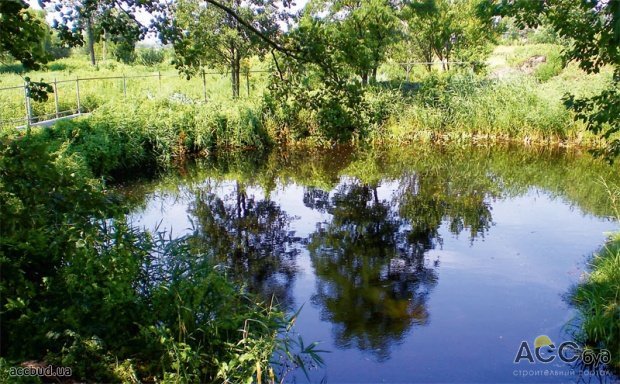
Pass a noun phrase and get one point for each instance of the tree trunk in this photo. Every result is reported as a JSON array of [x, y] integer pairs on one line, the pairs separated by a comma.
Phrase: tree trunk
[[428, 56], [373, 79], [364, 76], [234, 78], [235, 72], [238, 68], [90, 35]]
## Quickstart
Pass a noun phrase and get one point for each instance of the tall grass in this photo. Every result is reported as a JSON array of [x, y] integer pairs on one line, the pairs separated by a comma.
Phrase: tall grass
[[121, 137], [83, 289], [466, 108], [173, 118], [598, 300]]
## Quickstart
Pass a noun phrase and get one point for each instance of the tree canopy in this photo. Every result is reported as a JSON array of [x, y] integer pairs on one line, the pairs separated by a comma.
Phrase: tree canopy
[[22, 34], [333, 48]]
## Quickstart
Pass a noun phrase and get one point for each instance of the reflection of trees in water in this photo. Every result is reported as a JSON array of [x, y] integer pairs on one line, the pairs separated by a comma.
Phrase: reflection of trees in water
[[251, 238], [425, 200], [372, 283], [373, 280]]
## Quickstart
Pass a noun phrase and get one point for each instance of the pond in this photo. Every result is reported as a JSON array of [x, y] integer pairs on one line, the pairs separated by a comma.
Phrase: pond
[[412, 264]]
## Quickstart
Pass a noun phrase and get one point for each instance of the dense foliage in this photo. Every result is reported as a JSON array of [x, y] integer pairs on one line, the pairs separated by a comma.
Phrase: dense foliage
[[22, 34], [205, 36], [83, 289]]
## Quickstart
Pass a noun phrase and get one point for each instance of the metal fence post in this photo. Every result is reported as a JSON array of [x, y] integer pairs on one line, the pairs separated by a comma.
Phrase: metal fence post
[[159, 76], [204, 85], [56, 97], [124, 86], [77, 93], [28, 106]]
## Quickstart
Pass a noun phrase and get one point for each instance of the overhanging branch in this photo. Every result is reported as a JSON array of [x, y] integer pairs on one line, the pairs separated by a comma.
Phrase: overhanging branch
[[254, 30]]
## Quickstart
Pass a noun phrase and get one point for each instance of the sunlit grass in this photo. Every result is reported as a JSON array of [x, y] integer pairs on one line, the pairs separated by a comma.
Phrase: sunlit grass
[[598, 299]]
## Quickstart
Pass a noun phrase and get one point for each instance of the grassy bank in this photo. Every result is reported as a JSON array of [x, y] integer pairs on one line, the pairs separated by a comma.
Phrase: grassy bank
[[598, 300], [524, 106], [103, 84], [463, 108]]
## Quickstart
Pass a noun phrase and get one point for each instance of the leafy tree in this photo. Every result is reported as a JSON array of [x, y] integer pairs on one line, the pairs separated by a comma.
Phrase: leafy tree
[[364, 30], [317, 81], [82, 22], [593, 28], [419, 27], [477, 32], [206, 36], [124, 41], [448, 30]]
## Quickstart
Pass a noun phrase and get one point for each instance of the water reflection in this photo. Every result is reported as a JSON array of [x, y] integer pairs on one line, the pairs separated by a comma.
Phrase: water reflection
[[360, 234], [250, 237], [373, 280]]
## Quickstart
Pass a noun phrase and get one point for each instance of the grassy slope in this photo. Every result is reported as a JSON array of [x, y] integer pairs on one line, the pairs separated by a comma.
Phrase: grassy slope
[[509, 105]]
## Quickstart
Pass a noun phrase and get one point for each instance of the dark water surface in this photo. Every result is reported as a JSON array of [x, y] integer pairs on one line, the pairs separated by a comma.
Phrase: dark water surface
[[414, 264]]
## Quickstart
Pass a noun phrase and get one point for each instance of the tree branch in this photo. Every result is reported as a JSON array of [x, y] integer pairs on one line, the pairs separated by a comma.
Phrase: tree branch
[[254, 30]]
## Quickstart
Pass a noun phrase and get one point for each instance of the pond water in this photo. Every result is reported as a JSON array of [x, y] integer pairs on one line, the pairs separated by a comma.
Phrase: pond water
[[413, 264]]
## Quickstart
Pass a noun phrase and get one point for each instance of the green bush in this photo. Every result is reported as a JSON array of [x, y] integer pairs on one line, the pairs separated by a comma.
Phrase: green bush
[[552, 67], [150, 56]]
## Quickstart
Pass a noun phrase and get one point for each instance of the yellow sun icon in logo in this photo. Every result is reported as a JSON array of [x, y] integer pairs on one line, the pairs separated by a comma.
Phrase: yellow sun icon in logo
[[543, 341]]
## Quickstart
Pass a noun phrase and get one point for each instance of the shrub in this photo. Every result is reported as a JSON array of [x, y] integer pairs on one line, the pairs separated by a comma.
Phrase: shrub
[[150, 56]]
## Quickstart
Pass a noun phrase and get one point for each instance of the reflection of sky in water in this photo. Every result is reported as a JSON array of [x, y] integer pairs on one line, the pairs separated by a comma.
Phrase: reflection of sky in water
[[491, 294]]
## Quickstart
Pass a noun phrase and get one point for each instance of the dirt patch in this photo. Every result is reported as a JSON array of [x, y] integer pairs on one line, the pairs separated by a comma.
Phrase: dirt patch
[[530, 64]]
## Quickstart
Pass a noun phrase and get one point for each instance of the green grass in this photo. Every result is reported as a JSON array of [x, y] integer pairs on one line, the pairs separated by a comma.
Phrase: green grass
[[598, 300], [98, 92], [124, 136]]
